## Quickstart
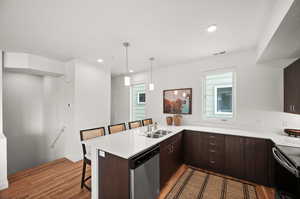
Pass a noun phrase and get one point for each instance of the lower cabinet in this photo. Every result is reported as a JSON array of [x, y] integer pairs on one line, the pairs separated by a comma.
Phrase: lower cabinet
[[241, 157], [256, 160], [170, 157], [213, 148], [193, 149], [204, 150], [234, 156]]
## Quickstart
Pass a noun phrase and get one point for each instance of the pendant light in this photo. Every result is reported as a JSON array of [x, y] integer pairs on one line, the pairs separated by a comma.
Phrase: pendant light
[[151, 85], [126, 77]]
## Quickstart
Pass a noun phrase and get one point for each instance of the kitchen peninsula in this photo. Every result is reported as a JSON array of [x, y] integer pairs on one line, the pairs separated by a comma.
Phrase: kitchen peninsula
[[113, 153]]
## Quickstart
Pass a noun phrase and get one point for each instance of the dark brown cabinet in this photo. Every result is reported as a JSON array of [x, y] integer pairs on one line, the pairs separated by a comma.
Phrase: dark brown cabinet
[[234, 156], [204, 150], [170, 157], [193, 149], [292, 88], [113, 175], [213, 149], [241, 157], [256, 160]]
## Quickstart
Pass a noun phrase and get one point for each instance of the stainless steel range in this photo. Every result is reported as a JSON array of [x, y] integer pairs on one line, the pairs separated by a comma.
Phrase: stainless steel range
[[289, 158]]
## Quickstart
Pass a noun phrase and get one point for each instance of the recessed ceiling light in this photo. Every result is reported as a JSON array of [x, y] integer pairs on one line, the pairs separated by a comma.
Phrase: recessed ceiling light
[[211, 28], [131, 71], [99, 60]]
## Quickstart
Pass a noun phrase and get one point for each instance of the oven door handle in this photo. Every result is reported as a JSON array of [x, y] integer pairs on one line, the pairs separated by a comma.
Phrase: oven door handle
[[281, 160]]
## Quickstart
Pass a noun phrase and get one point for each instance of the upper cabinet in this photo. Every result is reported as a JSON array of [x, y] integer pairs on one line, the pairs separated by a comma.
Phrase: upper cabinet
[[292, 88]]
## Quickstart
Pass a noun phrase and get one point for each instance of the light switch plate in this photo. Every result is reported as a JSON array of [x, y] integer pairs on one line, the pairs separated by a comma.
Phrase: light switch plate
[[102, 153]]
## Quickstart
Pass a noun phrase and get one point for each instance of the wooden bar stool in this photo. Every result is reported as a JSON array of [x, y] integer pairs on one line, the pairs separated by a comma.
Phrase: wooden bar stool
[[135, 124], [115, 128], [147, 122], [86, 135]]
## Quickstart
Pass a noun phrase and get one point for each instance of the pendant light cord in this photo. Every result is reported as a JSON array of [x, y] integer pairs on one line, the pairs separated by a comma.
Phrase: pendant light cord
[[127, 70], [126, 45], [151, 66], [151, 72]]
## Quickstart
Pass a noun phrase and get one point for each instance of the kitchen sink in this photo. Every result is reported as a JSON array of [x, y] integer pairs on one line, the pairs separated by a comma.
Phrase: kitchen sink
[[158, 134]]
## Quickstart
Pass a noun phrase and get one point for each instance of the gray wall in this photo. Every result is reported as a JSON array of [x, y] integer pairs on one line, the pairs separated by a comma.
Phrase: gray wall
[[31, 119]]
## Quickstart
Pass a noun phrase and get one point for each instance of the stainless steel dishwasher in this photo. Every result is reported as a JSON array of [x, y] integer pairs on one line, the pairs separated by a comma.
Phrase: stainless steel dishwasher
[[144, 175]]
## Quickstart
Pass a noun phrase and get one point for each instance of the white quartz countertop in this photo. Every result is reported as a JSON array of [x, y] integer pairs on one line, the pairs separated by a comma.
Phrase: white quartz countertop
[[128, 143]]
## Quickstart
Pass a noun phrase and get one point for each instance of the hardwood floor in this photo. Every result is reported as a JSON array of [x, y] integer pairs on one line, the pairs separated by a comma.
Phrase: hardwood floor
[[61, 179], [55, 180]]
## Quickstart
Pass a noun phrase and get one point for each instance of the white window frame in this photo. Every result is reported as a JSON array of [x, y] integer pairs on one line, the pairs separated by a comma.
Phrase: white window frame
[[130, 97], [216, 100], [234, 95]]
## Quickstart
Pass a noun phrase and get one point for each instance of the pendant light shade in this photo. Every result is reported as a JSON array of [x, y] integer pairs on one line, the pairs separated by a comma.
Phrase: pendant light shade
[[127, 80], [151, 85]]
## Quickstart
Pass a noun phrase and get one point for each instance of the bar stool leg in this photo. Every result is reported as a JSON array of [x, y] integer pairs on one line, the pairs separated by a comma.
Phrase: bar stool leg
[[83, 174]]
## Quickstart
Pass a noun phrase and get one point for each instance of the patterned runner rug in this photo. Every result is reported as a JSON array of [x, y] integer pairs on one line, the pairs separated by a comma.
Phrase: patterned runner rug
[[195, 184]]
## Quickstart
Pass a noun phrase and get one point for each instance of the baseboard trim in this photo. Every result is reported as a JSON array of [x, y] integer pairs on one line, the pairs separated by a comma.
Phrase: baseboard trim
[[73, 158], [3, 184]]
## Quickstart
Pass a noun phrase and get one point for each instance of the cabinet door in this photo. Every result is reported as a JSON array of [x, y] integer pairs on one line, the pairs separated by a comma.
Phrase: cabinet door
[[165, 159], [234, 156], [256, 160], [177, 152], [291, 88], [193, 145]]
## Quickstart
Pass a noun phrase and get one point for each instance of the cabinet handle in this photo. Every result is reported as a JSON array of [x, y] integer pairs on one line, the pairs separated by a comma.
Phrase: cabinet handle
[[212, 151], [170, 148], [212, 162], [212, 136], [294, 109], [212, 144], [291, 108]]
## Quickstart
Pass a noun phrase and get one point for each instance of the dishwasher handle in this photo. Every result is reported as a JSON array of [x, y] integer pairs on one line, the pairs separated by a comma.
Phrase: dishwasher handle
[[142, 158]]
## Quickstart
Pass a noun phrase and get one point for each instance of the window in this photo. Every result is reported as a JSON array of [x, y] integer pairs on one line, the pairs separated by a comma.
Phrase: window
[[219, 96], [138, 100], [141, 97], [223, 99]]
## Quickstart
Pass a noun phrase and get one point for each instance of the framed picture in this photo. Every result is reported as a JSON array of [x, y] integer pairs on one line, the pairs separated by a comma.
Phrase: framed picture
[[141, 98], [178, 101]]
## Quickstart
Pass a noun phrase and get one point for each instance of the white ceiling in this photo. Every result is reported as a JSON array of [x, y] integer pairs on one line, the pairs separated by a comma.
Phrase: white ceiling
[[172, 31]]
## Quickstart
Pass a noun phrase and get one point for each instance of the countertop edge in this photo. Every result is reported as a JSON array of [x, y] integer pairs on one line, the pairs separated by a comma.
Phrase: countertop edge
[[177, 130]]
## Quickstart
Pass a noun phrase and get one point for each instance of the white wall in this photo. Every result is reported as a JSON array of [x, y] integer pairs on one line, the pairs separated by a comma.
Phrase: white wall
[[259, 91], [120, 100], [3, 143], [54, 115], [90, 107]]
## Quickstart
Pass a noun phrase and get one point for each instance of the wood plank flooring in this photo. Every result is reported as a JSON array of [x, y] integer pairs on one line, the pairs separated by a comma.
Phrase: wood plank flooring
[[55, 180], [61, 179]]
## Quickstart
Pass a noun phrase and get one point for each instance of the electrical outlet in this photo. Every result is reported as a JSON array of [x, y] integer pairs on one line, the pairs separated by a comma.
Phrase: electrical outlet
[[284, 123]]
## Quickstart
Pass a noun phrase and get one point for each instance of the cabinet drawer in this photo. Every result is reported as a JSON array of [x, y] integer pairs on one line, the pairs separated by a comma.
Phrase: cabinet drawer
[[215, 162]]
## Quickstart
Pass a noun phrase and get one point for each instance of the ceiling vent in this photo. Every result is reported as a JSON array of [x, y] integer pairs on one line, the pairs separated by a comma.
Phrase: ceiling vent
[[220, 53]]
